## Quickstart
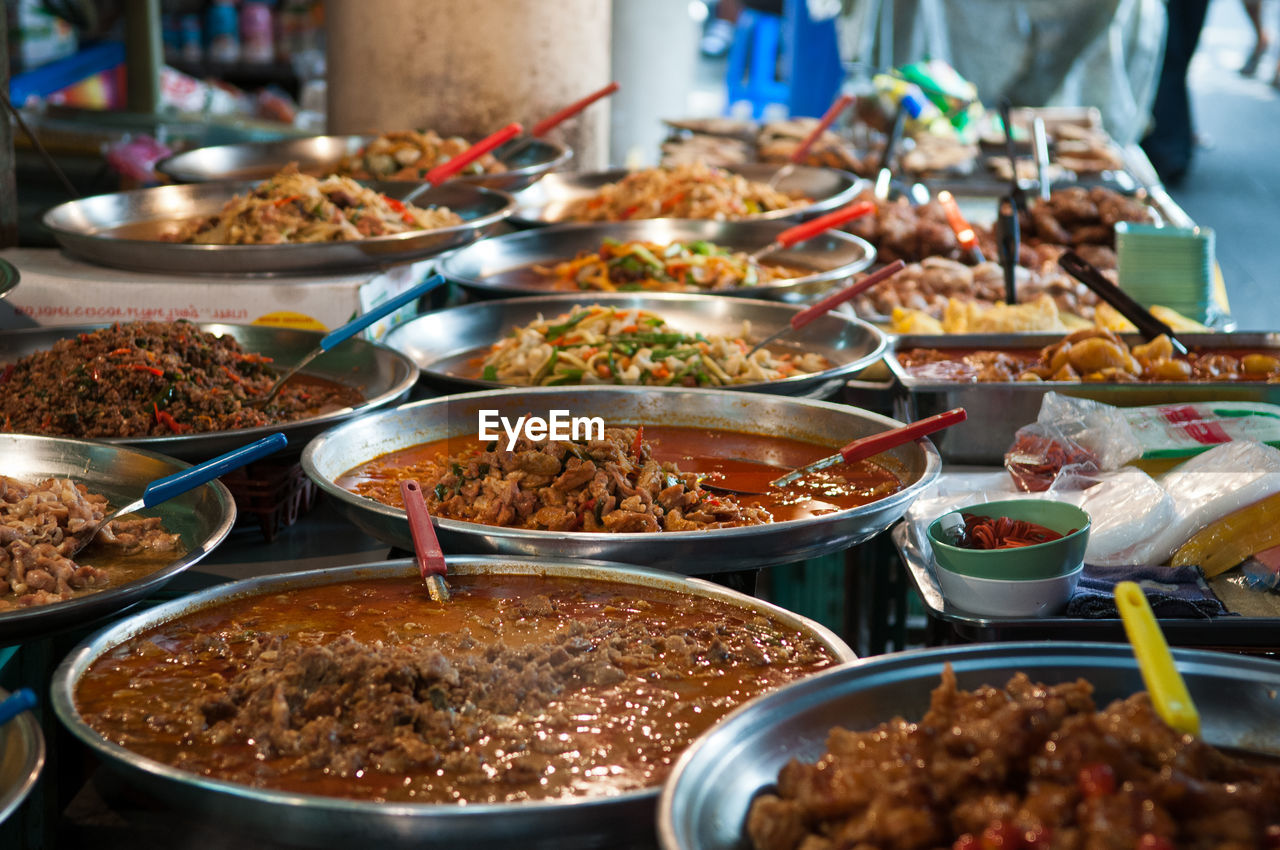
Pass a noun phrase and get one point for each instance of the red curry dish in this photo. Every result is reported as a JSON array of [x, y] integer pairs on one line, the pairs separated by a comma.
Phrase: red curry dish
[[1024, 767], [634, 480], [1090, 355], [521, 687]]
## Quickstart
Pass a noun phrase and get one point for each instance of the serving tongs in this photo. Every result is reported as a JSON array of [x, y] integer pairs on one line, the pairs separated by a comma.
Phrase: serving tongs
[[350, 329], [171, 486], [809, 229], [840, 104], [1008, 232], [966, 237], [860, 449], [426, 546], [826, 305], [1148, 325]]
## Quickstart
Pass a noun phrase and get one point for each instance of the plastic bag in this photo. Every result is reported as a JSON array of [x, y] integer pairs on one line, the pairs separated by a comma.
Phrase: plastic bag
[[1072, 437]]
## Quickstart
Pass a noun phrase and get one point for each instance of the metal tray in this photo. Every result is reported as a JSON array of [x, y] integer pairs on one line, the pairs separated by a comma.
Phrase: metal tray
[[384, 375], [445, 344], [688, 552], [319, 155], [501, 264], [126, 229], [998, 410], [705, 801], [203, 517], [1234, 632], [543, 202], [622, 820], [21, 759]]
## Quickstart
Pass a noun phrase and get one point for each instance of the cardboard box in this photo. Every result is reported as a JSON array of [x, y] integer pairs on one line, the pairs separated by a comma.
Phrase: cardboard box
[[56, 289]]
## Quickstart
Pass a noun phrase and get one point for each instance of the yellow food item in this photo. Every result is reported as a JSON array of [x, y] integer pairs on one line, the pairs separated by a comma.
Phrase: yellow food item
[[1221, 545], [972, 317], [915, 322], [1106, 316]]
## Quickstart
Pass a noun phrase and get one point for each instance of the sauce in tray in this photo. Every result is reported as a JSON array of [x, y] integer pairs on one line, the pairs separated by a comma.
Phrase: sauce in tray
[[520, 687], [731, 459]]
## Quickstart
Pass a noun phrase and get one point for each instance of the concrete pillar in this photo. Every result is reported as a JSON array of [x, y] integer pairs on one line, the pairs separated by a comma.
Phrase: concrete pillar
[[469, 67]]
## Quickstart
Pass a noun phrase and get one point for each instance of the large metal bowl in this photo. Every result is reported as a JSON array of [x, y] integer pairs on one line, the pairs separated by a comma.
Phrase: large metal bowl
[[526, 162], [21, 759], [622, 820], [828, 188], [203, 517], [502, 264], [688, 552], [705, 800], [445, 344], [384, 375], [127, 229]]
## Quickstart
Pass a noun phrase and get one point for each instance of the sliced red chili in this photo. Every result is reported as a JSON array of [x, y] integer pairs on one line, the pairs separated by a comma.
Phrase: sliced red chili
[[142, 367], [1096, 780]]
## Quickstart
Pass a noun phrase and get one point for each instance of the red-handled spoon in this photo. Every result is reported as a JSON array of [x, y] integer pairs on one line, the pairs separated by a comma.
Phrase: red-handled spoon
[[865, 447], [445, 170], [964, 232], [543, 126], [426, 548], [797, 156], [826, 305], [808, 230]]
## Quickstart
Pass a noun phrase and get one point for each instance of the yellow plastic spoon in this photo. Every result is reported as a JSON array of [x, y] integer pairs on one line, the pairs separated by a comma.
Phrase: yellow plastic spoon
[[1164, 683]]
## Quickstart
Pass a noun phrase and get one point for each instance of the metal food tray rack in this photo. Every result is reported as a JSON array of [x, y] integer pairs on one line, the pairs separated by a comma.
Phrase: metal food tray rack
[[1245, 634]]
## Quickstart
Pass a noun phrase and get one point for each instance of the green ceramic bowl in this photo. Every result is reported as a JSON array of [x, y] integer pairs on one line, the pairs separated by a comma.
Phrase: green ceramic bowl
[[1044, 560]]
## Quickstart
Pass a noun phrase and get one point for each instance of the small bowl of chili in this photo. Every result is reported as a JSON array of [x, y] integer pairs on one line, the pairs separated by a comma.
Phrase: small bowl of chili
[[1013, 540]]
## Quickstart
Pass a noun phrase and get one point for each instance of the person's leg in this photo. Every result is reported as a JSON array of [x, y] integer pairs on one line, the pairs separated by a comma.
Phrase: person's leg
[[1170, 143], [1253, 8]]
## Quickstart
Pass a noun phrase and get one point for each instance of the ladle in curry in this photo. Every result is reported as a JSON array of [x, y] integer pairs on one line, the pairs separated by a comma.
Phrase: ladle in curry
[[826, 305], [426, 546], [1164, 683], [860, 449], [350, 329], [840, 104], [164, 489]]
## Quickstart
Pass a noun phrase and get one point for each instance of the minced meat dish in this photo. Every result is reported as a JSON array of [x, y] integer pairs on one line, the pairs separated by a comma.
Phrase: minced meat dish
[[521, 687], [1026, 766], [152, 379], [41, 526]]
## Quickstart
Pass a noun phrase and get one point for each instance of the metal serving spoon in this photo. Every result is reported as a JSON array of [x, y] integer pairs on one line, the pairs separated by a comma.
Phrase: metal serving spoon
[[349, 330], [544, 126], [808, 230], [426, 546], [826, 305], [445, 170], [164, 489], [840, 104]]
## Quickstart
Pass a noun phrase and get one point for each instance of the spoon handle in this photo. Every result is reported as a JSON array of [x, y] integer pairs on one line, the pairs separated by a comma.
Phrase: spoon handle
[[810, 229], [571, 110], [866, 447], [1164, 683], [384, 309], [17, 702], [444, 171], [833, 112], [826, 305], [426, 545], [163, 489]]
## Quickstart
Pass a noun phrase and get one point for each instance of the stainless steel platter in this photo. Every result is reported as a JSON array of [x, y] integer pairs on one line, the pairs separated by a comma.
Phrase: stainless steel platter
[[544, 201], [21, 759], [384, 375], [446, 344], [319, 155], [203, 517], [998, 410], [689, 552], [127, 230], [705, 801], [503, 264], [624, 820]]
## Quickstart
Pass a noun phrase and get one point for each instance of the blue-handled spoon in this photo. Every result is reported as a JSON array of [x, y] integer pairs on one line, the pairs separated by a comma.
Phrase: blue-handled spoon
[[350, 329], [164, 489], [19, 701]]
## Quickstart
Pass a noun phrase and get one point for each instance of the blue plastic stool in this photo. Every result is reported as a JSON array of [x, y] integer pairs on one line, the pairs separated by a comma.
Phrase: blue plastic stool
[[791, 60], [753, 62]]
